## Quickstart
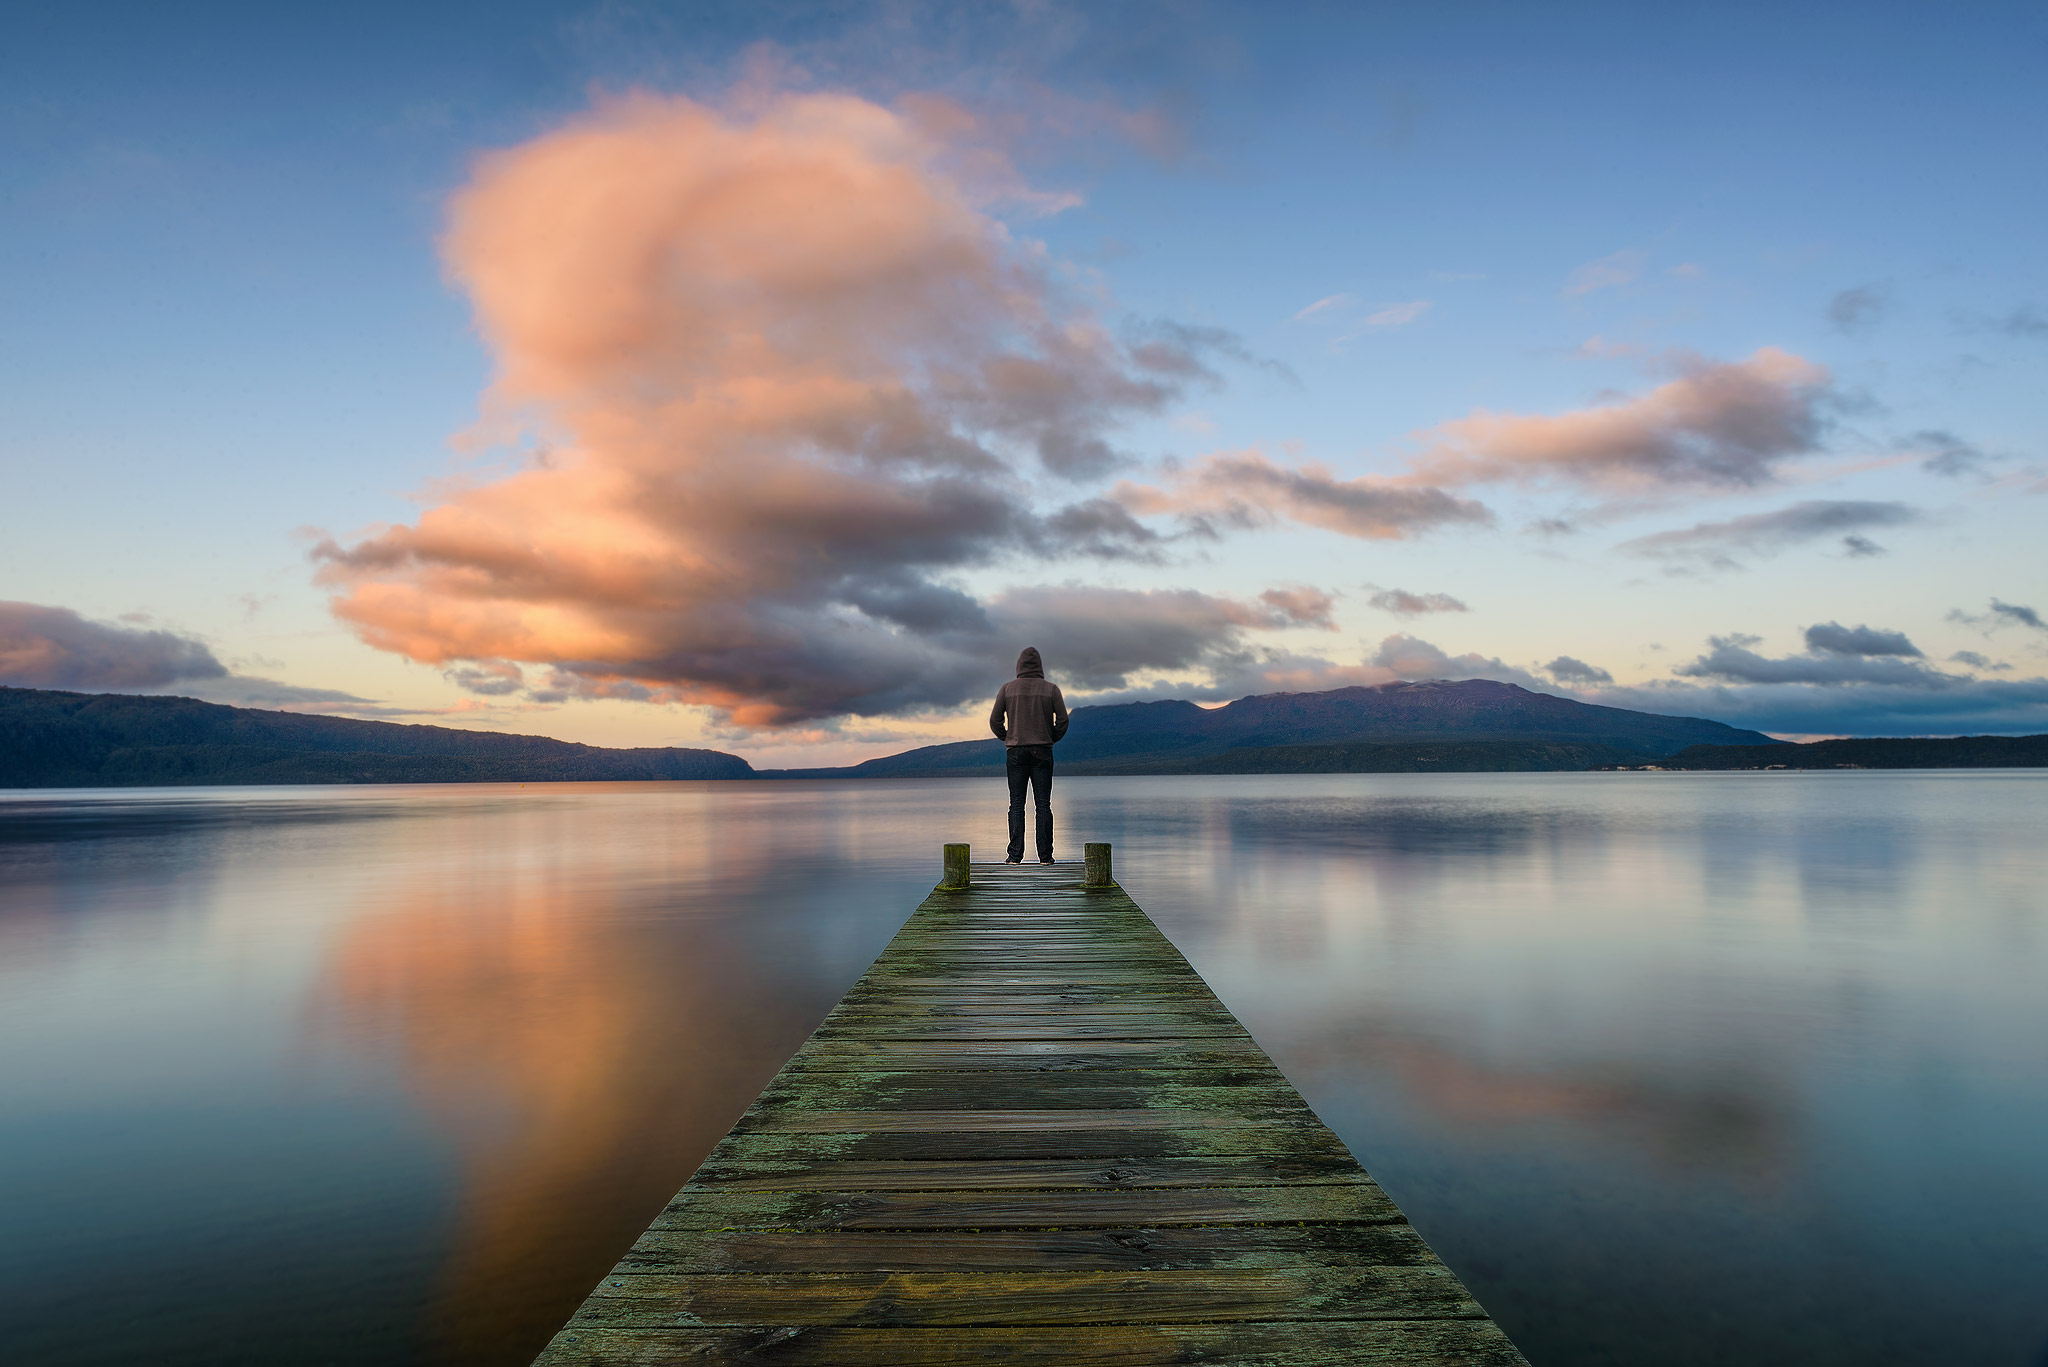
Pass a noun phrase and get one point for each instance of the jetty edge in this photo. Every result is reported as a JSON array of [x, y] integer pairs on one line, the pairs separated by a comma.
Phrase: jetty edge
[[1030, 1134]]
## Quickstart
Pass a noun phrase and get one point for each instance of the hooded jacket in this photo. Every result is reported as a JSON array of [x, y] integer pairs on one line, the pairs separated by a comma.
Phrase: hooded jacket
[[1029, 709]]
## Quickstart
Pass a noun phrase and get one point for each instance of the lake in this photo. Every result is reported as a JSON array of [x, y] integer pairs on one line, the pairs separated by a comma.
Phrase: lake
[[1674, 1068]]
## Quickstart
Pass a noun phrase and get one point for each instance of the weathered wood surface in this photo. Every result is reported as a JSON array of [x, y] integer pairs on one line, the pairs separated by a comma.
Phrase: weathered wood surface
[[1030, 1134]]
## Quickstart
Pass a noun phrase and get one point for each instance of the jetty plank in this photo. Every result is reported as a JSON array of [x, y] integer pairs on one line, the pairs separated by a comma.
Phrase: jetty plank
[[1030, 1134]]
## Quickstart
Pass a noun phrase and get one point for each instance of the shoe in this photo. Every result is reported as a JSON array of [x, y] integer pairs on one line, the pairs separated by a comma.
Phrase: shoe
[[1014, 859], [1045, 861]]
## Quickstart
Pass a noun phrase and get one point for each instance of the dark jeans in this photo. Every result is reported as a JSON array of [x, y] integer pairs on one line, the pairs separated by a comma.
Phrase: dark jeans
[[1030, 764]]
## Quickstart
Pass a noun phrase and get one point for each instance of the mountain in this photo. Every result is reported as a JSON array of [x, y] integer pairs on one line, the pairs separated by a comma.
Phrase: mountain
[[1875, 752], [62, 740], [1273, 731]]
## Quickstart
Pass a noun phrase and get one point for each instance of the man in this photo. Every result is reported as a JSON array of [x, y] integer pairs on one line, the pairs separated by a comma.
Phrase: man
[[1029, 718]]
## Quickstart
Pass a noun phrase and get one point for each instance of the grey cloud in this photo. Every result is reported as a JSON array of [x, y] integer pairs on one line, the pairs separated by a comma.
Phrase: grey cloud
[[2013, 612], [487, 678], [1833, 638], [47, 647], [1567, 670], [2026, 320], [1856, 310], [1409, 657], [1730, 658], [1719, 543], [1947, 453], [1861, 548], [50, 647], [1245, 489], [1101, 637], [1976, 660], [1402, 603], [1962, 707], [2000, 615]]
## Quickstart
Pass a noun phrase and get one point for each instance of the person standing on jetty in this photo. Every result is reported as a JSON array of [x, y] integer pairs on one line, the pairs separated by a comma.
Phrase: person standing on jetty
[[1029, 718]]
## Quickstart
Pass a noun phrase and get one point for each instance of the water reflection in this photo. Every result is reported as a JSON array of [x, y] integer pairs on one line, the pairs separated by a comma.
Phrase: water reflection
[[1712, 1063]]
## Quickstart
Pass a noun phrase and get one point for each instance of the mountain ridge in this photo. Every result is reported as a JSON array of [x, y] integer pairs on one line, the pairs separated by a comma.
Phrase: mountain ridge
[[1141, 737], [50, 738]]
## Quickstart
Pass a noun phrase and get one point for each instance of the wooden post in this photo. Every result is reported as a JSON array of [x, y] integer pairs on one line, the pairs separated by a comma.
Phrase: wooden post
[[956, 867], [1097, 855]]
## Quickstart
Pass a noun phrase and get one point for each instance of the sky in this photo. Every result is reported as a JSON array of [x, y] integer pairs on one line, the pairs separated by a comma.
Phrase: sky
[[763, 377]]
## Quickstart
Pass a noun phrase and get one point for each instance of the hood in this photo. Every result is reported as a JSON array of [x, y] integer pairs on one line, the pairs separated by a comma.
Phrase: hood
[[1029, 666]]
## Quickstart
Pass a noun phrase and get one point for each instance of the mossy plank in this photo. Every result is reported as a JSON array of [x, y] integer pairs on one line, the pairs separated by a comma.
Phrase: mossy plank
[[711, 1208], [1030, 1134], [1018, 1250], [811, 1174], [1411, 1343], [628, 1300]]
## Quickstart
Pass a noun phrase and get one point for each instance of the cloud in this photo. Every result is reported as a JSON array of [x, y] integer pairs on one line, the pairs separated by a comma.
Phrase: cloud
[[1856, 310], [46, 647], [1567, 670], [1899, 707], [2000, 615], [1861, 547], [1322, 305], [1398, 315], [51, 647], [2026, 320], [1302, 606], [1409, 657], [1622, 268], [1718, 543], [1402, 603], [1099, 637], [795, 376], [1246, 489], [1730, 658], [2013, 612], [1716, 425], [1945, 453], [1977, 661], [1851, 681], [1832, 638]]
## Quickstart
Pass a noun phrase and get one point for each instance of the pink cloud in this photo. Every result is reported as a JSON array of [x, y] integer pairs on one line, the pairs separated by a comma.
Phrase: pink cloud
[[1247, 489], [1718, 423], [793, 374]]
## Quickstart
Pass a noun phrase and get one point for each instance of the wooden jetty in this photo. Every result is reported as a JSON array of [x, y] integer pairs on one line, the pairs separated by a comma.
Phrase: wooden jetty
[[1030, 1134]]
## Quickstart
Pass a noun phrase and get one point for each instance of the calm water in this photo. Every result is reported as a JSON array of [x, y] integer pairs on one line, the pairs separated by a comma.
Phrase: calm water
[[1671, 1068]]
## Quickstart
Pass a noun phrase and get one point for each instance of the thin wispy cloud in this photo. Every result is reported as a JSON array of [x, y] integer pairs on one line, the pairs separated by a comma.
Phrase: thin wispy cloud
[[1725, 544], [1402, 603], [1622, 268], [1324, 305], [1247, 489], [1398, 315]]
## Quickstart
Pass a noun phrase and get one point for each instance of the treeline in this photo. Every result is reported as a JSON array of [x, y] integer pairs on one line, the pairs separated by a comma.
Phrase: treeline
[[1873, 752], [51, 739]]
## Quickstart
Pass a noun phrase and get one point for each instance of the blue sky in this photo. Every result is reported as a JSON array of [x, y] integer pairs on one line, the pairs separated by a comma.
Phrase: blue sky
[[229, 329]]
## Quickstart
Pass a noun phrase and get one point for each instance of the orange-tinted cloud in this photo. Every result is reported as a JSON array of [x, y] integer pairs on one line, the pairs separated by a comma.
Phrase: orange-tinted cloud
[[1247, 489], [789, 374], [1718, 423]]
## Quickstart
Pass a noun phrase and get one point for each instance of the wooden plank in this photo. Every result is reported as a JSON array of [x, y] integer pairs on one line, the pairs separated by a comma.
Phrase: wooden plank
[[1022, 1250], [807, 1174], [641, 1300], [1413, 1343], [711, 1208], [1161, 1142], [1030, 1134]]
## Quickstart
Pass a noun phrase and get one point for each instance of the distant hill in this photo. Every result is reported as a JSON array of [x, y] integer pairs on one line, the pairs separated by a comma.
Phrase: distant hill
[[63, 740], [1874, 752], [1273, 732]]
